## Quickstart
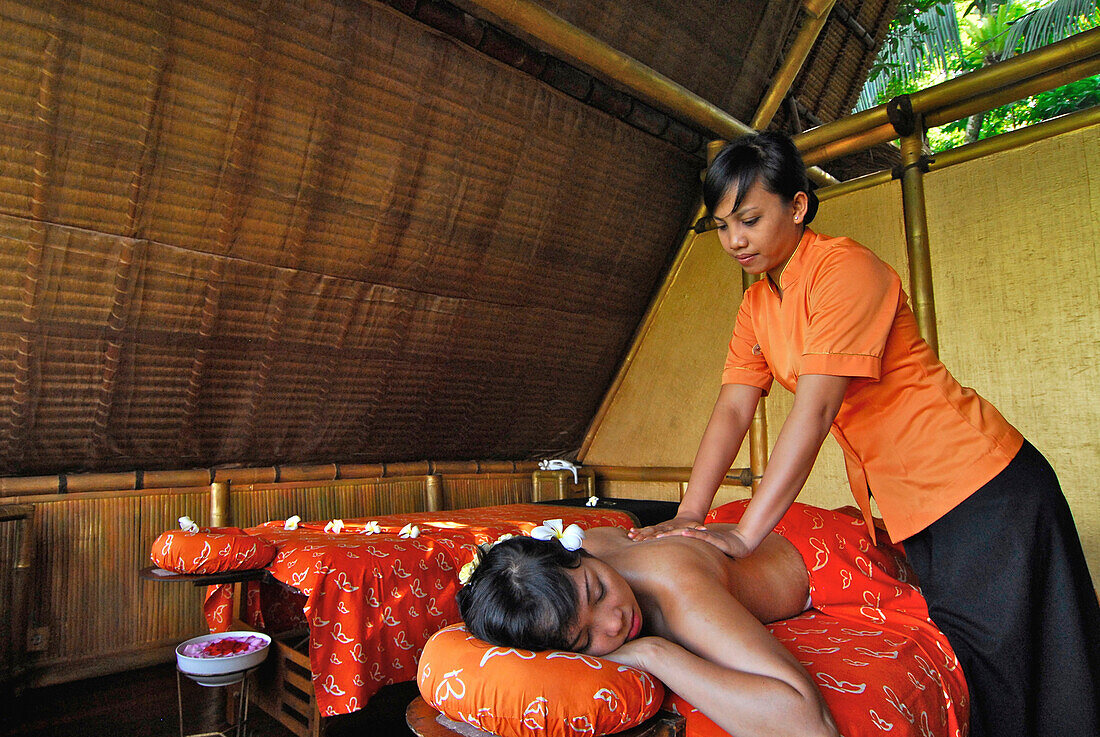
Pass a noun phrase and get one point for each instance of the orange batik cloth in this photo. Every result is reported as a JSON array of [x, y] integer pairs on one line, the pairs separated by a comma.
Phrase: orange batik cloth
[[878, 660], [373, 597]]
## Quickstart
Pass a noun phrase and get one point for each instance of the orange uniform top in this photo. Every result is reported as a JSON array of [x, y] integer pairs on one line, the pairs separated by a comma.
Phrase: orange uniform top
[[912, 435]]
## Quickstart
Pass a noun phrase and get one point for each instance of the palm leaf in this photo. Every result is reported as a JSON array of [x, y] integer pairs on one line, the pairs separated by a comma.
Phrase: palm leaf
[[1045, 25], [931, 41]]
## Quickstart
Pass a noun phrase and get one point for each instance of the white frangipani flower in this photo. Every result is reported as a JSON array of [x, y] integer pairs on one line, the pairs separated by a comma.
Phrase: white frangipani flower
[[292, 523], [592, 501], [372, 528], [570, 538], [409, 531], [188, 525], [336, 525], [467, 571]]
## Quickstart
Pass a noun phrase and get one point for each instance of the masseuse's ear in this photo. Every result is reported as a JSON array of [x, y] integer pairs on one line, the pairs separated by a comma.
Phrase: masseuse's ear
[[799, 204]]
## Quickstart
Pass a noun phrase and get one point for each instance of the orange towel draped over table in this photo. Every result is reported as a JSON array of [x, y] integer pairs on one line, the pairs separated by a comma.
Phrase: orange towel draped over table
[[372, 599]]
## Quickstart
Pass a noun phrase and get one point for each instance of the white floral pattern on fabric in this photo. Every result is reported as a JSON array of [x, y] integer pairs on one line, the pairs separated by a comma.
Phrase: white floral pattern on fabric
[[571, 537]]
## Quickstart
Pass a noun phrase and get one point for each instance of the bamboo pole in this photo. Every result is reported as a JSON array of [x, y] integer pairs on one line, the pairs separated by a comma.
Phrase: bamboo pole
[[433, 493], [994, 144], [220, 512], [916, 233], [562, 37], [758, 428], [1017, 138], [740, 476], [1004, 75], [817, 14], [855, 184]]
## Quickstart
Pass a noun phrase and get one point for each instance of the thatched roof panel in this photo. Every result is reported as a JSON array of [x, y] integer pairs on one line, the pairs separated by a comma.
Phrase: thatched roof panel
[[284, 232]]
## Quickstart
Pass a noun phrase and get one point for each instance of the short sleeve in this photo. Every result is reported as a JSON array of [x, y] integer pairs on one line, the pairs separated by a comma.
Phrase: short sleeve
[[745, 362], [852, 302]]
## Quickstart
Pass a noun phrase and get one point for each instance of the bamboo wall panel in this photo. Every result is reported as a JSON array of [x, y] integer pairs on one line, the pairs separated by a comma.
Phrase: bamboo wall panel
[[258, 503], [90, 546], [10, 630], [1016, 290], [462, 491], [678, 365]]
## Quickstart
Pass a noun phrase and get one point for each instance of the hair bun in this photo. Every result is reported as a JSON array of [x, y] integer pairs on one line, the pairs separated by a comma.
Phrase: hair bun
[[812, 203]]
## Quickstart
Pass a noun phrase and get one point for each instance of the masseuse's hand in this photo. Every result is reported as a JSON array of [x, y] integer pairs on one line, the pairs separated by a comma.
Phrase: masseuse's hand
[[725, 537], [673, 526]]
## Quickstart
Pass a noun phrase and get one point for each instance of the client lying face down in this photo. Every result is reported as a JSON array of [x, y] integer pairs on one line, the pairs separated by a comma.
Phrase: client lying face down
[[677, 607]]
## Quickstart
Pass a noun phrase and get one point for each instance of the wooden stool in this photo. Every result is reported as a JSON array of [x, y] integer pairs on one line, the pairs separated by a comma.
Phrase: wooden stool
[[425, 721]]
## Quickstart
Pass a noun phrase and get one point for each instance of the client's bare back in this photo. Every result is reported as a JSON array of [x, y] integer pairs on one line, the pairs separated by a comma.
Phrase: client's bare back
[[772, 583]]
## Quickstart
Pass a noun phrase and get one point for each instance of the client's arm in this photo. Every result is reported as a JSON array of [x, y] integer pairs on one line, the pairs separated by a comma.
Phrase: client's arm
[[714, 653]]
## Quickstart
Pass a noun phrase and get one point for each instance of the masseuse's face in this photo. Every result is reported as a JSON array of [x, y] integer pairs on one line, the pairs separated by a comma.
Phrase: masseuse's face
[[764, 231], [608, 614]]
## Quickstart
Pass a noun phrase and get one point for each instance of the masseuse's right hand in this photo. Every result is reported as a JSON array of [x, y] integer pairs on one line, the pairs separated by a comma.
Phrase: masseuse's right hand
[[674, 526]]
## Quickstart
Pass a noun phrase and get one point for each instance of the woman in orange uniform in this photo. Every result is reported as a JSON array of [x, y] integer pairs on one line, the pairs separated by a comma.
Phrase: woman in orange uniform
[[980, 511]]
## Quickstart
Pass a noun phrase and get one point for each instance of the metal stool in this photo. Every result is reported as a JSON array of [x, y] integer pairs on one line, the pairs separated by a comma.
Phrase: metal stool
[[239, 728]]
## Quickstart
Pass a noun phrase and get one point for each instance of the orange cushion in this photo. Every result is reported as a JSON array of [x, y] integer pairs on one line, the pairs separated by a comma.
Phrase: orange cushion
[[211, 550], [520, 693]]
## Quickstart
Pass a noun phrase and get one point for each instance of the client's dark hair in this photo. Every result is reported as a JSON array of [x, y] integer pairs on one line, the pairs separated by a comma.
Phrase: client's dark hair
[[521, 596], [770, 158]]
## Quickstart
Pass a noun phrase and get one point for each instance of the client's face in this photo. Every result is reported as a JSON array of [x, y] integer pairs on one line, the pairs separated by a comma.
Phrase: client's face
[[608, 614]]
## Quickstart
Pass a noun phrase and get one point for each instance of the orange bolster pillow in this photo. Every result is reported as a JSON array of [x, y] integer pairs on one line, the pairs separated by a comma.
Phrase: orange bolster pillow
[[521, 693], [211, 550]]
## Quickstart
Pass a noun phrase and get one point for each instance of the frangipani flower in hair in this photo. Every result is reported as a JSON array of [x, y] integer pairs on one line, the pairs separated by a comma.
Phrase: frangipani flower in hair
[[570, 538], [467, 571]]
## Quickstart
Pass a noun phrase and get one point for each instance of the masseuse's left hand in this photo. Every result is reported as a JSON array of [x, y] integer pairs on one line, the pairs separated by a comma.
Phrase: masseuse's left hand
[[723, 536]]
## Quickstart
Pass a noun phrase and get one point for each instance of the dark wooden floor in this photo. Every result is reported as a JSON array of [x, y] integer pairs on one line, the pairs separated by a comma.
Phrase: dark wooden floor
[[143, 703]]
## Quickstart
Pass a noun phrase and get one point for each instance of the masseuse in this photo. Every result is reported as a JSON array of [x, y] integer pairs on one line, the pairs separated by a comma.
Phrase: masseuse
[[980, 511]]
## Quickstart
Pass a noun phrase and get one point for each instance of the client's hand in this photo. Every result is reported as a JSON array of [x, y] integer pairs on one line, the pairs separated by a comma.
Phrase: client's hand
[[726, 537], [673, 526], [639, 653]]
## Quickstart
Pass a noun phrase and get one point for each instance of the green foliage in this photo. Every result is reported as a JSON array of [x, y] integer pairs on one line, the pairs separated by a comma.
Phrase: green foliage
[[933, 40]]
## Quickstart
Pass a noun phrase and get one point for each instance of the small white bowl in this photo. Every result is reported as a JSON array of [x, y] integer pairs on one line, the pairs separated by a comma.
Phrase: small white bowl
[[225, 669]]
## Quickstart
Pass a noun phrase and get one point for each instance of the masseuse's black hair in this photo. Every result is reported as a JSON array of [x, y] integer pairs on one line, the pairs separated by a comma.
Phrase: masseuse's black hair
[[521, 596], [770, 158]]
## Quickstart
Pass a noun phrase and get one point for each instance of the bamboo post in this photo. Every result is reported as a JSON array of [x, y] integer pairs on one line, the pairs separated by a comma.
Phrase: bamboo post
[[567, 39], [758, 430], [914, 163], [220, 512], [433, 493]]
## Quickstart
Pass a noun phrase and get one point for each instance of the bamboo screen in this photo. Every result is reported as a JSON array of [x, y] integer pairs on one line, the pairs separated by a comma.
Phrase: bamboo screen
[[90, 547], [262, 232]]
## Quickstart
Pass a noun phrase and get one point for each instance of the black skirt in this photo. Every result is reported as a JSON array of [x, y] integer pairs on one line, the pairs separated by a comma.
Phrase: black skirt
[[1007, 582]]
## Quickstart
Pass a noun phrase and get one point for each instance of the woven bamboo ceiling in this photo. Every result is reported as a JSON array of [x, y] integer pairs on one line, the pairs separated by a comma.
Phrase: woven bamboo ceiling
[[281, 232]]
